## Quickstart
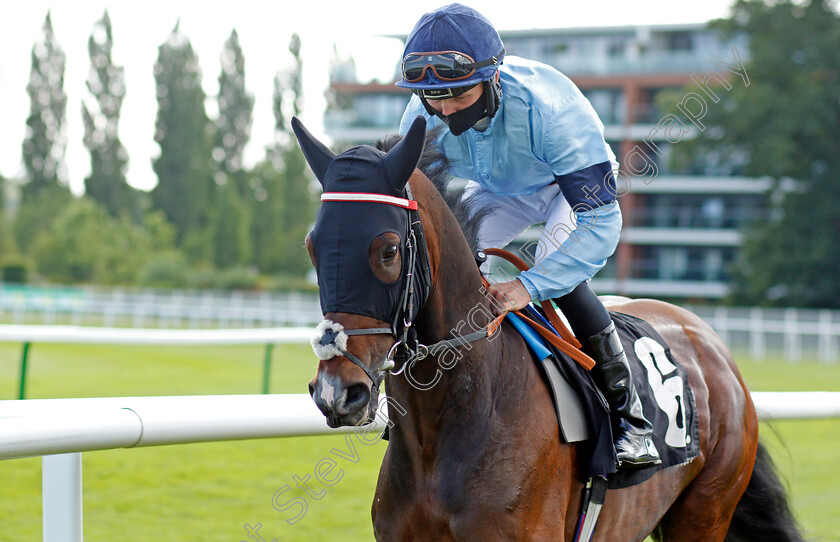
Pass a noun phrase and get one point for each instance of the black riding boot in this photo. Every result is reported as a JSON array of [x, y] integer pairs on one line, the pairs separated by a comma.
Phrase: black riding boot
[[633, 431]]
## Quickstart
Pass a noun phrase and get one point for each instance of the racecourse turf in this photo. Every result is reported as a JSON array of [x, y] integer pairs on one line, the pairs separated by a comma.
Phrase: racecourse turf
[[210, 492]]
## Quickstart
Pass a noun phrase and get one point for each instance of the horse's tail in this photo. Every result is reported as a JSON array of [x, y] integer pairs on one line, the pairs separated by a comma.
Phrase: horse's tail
[[764, 513]]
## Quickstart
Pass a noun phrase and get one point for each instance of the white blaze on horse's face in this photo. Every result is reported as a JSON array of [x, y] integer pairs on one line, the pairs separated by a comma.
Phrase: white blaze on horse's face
[[328, 388], [344, 392], [347, 405]]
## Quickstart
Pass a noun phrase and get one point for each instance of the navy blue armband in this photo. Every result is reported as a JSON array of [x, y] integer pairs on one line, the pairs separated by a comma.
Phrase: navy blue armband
[[590, 187]]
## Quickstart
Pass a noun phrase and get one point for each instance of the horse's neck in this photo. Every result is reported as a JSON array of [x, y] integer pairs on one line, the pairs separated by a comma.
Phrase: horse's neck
[[451, 393], [447, 396]]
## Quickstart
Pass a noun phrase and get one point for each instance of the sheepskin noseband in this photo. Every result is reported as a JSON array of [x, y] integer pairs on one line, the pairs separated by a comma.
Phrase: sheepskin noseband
[[330, 340]]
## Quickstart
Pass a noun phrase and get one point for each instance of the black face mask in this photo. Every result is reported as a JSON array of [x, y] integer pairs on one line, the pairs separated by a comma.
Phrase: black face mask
[[464, 119], [345, 229]]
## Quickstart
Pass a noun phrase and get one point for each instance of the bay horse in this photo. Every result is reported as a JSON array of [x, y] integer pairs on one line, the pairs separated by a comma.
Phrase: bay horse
[[475, 452]]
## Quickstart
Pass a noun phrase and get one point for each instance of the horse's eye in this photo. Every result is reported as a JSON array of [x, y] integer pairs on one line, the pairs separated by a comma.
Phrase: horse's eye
[[390, 253], [384, 257]]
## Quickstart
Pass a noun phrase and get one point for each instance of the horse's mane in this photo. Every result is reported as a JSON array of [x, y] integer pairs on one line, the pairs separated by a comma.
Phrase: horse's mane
[[435, 165]]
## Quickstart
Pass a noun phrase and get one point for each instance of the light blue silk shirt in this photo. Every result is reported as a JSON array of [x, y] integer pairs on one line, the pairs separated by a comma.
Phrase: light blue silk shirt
[[545, 131]]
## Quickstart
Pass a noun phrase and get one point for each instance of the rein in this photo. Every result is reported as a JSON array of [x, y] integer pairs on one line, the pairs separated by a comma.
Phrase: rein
[[566, 343]]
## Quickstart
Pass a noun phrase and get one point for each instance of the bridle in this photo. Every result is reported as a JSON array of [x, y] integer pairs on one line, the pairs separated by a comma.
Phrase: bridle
[[406, 349], [416, 262]]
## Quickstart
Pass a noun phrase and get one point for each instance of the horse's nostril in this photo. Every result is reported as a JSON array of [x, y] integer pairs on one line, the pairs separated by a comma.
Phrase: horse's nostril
[[358, 396], [311, 389]]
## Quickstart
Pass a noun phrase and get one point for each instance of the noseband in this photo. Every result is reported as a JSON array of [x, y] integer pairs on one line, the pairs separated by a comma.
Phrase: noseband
[[332, 342]]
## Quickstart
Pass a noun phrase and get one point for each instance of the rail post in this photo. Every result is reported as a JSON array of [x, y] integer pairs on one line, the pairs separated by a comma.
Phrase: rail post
[[24, 359], [269, 348], [61, 484]]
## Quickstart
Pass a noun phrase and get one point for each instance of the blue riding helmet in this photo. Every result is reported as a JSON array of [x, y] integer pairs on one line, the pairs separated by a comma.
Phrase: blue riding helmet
[[450, 51], [454, 46]]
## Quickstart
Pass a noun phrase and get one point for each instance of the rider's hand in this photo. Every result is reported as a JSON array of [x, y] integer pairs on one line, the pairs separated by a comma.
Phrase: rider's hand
[[508, 296]]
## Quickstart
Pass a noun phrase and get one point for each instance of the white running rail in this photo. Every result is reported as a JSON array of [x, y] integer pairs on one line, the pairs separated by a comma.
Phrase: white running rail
[[60, 429]]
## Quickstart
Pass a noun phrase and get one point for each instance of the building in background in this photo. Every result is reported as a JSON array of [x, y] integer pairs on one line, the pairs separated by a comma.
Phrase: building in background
[[682, 224]]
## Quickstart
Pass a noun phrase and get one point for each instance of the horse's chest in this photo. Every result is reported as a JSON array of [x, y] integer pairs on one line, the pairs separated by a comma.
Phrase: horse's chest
[[430, 520], [446, 508]]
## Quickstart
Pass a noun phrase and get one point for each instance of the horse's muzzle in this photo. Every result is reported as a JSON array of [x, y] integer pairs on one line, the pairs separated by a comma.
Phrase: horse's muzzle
[[342, 404]]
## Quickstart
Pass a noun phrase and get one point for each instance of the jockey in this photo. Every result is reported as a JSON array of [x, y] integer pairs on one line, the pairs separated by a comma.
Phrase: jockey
[[533, 150]]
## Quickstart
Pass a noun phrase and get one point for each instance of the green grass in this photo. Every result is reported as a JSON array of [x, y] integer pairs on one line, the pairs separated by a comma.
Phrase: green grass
[[805, 451], [210, 491], [94, 370]]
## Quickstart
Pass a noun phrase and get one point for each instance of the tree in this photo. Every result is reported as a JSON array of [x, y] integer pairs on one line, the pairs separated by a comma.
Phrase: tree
[[297, 196], [230, 225], [13, 266], [6, 245], [37, 213], [46, 139], [267, 210], [185, 167], [236, 105], [231, 216], [86, 244], [108, 158], [298, 214], [295, 76], [283, 205], [786, 125]]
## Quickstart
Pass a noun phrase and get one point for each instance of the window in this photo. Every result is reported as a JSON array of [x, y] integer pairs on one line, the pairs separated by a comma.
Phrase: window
[[616, 50], [703, 211], [609, 103], [678, 41], [684, 263]]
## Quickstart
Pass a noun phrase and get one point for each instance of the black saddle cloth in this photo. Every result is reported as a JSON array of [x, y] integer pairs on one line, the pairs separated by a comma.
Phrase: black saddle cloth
[[666, 398]]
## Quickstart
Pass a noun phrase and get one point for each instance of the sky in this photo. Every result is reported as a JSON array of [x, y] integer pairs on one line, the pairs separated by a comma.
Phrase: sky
[[359, 29]]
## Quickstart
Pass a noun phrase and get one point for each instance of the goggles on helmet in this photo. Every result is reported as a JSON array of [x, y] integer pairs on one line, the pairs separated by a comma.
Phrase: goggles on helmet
[[446, 65]]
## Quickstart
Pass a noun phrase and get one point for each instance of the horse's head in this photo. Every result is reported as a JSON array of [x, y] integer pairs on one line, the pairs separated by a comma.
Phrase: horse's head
[[373, 273]]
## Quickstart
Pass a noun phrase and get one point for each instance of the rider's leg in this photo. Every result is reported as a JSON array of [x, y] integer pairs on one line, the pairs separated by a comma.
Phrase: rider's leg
[[592, 324]]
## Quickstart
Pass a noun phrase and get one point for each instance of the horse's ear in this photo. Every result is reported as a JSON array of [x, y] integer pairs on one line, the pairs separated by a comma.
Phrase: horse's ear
[[402, 159], [316, 153]]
